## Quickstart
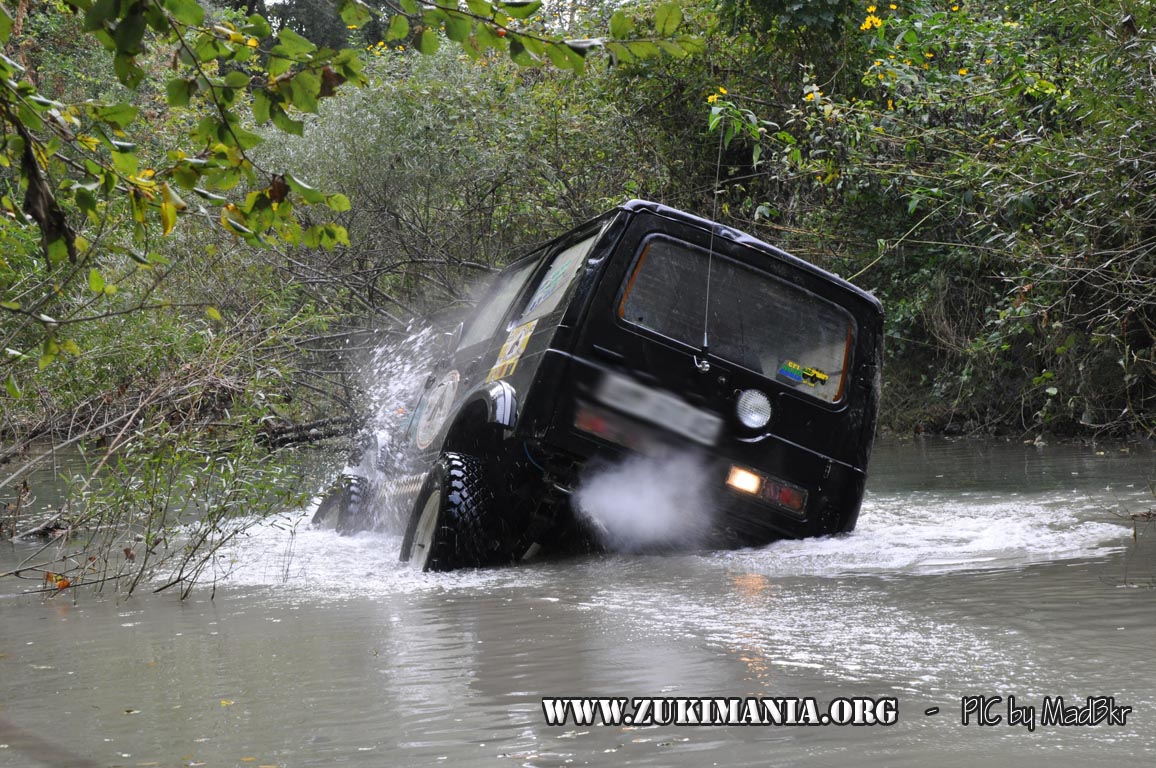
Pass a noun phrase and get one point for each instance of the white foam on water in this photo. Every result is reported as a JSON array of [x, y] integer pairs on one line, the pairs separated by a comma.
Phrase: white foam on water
[[922, 533], [298, 559]]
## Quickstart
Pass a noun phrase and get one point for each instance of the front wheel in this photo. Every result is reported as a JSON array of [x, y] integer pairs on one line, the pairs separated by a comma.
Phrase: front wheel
[[453, 524]]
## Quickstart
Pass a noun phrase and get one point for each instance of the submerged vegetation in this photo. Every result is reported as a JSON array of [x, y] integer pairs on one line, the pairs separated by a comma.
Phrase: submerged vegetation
[[211, 213]]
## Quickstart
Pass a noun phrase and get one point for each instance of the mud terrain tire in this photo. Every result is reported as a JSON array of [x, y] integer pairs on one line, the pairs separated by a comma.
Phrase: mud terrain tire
[[354, 514], [454, 523]]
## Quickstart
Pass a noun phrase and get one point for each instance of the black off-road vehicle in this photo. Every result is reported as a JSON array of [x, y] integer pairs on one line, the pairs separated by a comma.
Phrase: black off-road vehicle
[[644, 329]]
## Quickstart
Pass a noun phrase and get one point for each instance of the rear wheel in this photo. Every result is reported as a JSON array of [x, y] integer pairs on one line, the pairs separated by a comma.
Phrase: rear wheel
[[454, 522]]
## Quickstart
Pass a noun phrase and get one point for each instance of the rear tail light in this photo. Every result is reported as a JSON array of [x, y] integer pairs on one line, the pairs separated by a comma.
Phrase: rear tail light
[[770, 489]]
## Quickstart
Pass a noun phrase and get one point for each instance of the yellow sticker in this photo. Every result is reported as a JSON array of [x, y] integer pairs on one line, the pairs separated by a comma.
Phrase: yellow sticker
[[511, 351]]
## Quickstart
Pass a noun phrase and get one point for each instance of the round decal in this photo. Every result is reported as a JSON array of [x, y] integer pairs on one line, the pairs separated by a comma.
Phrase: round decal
[[436, 409]]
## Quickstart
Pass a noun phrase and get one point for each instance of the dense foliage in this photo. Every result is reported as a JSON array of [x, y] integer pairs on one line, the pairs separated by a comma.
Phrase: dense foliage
[[206, 224]]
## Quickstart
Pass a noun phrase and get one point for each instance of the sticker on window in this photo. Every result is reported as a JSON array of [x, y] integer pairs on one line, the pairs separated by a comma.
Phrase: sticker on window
[[798, 374], [511, 351]]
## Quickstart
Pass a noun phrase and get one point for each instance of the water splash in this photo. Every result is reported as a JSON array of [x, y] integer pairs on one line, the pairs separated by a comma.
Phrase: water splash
[[393, 376]]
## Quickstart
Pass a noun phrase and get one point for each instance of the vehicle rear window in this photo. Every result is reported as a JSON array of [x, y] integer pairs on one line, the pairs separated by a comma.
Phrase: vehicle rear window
[[756, 320]]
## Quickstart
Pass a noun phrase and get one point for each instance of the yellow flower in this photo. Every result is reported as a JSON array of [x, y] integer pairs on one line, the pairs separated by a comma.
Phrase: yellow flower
[[894, 7], [870, 9], [380, 43], [722, 90], [810, 96], [712, 98], [963, 70], [955, 7], [890, 104], [929, 55], [351, 26]]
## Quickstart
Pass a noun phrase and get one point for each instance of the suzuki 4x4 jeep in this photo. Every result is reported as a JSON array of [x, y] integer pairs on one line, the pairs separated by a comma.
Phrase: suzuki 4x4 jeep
[[643, 329]]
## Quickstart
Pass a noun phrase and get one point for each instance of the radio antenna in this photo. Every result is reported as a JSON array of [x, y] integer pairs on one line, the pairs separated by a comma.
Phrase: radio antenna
[[704, 364]]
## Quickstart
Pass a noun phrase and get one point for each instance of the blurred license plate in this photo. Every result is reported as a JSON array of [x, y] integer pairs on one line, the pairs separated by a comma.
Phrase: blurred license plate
[[658, 407]]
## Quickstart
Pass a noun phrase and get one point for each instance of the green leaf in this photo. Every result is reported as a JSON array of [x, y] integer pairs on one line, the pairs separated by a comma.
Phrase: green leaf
[[278, 64], [179, 91], [120, 115], [690, 44], [71, 347], [187, 12], [563, 57], [354, 12], [398, 28], [286, 123], [521, 9], [308, 193], [45, 360], [5, 33], [258, 26], [673, 49], [261, 104], [12, 387], [128, 72], [129, 34], [409, 6], [480, 8], [11, 305], [100, 12], [458, 28], [293, 43], [338, 202], [667, 19], [237, 80], [621, 25], [57, 251], [428, 41], [126, 163], [95, 281], [213, 313], [485, 37], [643, 50], [620, 51], [518, 52], [303, 90]]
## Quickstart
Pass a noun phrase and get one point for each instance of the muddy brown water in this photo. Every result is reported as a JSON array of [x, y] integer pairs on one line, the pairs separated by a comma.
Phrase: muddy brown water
[[977, 568]]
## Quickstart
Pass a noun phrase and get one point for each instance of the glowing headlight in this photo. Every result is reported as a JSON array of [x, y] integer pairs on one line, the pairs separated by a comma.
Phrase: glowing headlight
[[753, 409]]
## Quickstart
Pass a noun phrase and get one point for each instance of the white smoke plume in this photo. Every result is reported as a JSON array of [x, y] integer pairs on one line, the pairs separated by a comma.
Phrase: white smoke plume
[[648, 503]]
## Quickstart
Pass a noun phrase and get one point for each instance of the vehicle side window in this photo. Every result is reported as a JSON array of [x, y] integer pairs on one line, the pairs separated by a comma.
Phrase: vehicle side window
[[492, 308], [566, 266]]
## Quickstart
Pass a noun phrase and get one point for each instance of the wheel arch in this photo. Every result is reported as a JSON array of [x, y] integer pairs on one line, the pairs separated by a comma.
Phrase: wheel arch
[[484, 414]]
